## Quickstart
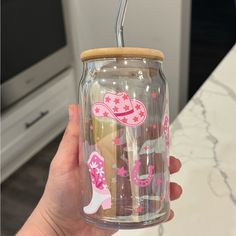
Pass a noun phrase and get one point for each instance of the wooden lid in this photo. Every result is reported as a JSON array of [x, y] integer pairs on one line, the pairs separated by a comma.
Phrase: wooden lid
[[121, 52]]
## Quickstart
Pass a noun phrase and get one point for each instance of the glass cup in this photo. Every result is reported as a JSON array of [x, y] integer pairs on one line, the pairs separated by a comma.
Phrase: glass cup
[[124, 144]]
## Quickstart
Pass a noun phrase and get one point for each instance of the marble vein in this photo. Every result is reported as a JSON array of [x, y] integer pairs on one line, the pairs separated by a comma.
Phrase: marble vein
[[197, 100], [230, 91]]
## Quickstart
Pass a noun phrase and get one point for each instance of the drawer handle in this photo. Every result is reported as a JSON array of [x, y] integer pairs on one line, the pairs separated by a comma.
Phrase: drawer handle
[[41, 115]]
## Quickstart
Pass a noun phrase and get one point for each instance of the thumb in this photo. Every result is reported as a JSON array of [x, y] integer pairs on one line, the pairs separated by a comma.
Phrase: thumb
[[67, 156]]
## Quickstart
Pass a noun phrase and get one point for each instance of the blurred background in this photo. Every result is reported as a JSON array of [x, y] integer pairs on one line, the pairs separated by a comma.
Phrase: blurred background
[[41, 68]]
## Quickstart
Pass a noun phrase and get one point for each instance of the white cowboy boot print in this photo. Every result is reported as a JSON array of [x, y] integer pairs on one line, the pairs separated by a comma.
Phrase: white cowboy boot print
[[101, 195]]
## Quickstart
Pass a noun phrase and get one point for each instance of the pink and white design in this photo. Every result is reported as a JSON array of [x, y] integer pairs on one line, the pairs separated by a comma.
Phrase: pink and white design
[[165, 125], [136, 179], [129, 112], [101, 195]]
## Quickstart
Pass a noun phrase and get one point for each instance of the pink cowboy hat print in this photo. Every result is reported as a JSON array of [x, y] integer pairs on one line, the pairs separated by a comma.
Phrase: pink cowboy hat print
[[120, 107]]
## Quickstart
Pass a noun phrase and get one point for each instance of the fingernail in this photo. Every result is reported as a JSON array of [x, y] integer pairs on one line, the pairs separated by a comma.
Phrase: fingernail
[[180, 189], [179, 163]]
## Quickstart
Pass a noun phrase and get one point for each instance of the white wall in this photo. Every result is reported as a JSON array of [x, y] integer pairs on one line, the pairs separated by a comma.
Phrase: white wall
[[159, 24]]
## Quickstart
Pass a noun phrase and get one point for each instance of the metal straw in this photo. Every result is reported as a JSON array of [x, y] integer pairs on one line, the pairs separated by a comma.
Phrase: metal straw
[[120, 23]]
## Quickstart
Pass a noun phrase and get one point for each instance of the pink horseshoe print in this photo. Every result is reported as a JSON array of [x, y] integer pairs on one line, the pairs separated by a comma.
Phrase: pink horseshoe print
[[135, 177]]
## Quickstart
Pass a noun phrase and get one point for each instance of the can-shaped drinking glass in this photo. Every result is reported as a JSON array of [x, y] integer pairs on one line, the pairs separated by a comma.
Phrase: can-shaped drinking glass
[[124, 138]]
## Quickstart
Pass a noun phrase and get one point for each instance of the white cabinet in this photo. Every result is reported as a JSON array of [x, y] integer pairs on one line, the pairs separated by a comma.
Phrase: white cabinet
[[35, 121]]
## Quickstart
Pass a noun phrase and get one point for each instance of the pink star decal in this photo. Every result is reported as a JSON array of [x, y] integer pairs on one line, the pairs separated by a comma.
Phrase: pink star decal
[[126, 107], [121, 171], [137, 106], [158, 181], [146, 148], [154, 94], [107, 99], [141, 113], [125, 97], [124, 120], [154, 126], [135, 119], [115, 109], [116, 101], [97, 110], [105, 114], [116, 141], [139, 209]]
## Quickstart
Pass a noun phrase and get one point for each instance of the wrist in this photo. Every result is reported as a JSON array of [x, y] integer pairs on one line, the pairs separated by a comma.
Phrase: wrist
[[40, 223]]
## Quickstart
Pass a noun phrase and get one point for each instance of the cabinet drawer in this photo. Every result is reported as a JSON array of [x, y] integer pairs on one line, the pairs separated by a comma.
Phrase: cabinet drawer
[[35, 119]]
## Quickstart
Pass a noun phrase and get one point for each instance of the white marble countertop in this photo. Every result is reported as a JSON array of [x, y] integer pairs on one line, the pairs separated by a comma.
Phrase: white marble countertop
[[203, 137]]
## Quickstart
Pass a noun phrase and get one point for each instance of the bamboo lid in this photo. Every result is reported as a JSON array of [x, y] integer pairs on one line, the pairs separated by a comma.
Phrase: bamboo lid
[[122, 52]]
